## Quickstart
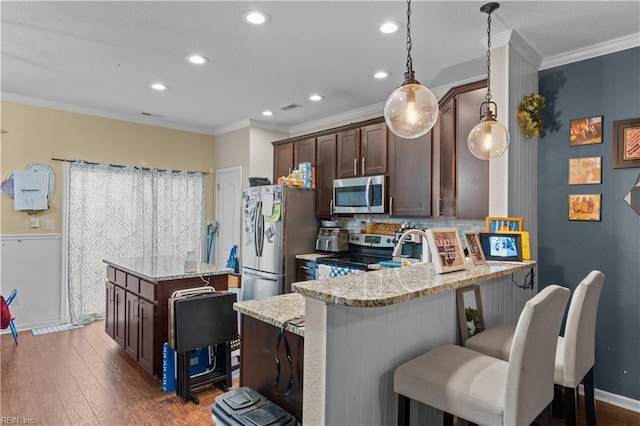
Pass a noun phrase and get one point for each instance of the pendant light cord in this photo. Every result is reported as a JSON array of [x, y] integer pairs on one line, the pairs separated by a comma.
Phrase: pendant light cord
[[408, 73], [488, 95]]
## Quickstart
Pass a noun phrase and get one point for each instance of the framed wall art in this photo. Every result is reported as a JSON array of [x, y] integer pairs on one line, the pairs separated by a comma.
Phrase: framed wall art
[[473, 246], [626, 143], [495, 224], [585, 171], [585, 131], [585, 207], [446, 249]]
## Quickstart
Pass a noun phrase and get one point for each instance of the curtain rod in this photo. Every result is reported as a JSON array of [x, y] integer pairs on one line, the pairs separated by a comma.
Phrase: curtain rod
[[123, 165]]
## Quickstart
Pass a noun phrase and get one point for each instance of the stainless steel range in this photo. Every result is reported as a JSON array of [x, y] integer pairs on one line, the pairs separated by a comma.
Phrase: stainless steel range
[[364, 250]]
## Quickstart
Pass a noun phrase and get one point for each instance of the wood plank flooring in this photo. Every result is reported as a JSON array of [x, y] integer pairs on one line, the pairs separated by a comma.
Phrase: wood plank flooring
[[82, 377]]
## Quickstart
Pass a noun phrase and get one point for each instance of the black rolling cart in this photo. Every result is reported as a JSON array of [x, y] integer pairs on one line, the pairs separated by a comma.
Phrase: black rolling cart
[[202, 320]]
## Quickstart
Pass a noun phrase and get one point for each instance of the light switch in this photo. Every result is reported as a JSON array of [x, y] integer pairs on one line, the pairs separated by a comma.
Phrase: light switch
[[35, 223], [48, 224]]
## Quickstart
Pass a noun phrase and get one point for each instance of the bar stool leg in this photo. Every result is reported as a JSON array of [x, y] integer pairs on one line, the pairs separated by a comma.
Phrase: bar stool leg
[[589, 398], [447, 419], [404, 404], [570, 409], [545, 416]]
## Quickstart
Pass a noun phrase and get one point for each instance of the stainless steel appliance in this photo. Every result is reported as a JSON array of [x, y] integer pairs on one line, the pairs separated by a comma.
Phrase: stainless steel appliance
[[366, 194], [332, 240], [278, 223], [364, 250]]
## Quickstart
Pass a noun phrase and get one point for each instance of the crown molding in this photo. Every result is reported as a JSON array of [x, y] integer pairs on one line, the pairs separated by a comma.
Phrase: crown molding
[[525, 50], [612, 46], [338, 118], [61, 106]]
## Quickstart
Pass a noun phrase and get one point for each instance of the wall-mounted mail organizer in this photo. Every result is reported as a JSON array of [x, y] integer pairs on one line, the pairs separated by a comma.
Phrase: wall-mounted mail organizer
[[197, 321], [31, 189]]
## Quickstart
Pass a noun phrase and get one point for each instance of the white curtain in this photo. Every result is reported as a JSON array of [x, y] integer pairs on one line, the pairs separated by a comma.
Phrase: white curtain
[[116, 211]]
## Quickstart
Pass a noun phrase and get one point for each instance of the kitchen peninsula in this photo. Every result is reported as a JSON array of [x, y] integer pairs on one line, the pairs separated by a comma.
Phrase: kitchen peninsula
[[360, 327], [137, 291]]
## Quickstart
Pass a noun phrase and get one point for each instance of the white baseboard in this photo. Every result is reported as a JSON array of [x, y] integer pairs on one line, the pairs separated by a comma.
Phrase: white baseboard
[[614, 399], [29, 327]]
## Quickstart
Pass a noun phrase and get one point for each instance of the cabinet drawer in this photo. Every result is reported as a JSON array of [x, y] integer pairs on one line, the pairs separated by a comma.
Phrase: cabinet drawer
[[120, 278], [148, 290], [133, 283]]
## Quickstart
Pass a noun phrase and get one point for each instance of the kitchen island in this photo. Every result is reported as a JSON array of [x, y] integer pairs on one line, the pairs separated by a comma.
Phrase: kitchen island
[[137, 294], [359, 328]]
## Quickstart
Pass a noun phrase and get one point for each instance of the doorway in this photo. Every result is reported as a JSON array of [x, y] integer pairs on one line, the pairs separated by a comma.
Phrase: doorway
[[228, 203]]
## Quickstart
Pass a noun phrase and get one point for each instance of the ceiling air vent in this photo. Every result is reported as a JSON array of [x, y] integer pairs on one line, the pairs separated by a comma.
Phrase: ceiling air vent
[[289, 107], [148, 114]]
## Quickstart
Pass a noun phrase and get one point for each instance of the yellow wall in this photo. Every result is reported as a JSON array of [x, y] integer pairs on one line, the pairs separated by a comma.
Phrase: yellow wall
[[35, 134]]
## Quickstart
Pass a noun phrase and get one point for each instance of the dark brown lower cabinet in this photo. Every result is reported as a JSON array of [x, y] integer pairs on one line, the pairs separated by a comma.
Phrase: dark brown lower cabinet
[[137, 313], [258, 368]]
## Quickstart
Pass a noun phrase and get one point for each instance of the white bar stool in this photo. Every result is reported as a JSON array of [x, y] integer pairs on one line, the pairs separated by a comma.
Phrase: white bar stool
[[487, 390], [575, 353]]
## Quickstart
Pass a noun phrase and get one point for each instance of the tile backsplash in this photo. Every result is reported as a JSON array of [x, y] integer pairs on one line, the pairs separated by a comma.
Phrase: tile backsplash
[[355, 224]]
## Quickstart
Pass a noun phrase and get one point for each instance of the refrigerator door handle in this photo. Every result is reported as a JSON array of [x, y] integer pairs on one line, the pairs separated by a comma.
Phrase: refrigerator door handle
[[259, 276], [260, 232], [255, 228]]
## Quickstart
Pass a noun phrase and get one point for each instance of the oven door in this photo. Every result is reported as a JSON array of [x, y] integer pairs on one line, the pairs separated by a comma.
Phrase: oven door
[[329, 268], [359, 195]]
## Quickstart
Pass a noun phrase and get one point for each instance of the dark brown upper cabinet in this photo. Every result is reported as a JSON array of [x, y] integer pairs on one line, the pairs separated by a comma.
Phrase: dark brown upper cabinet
[[362, 151]]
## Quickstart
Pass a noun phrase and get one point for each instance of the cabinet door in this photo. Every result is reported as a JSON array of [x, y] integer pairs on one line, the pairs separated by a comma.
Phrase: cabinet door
[[119, 315], [131, 335], [373, 149], [282, 160], [447, 145], [472, 179], [348, 153], [304, 151], [325, 174], [410, 176], [146, 323], [110, 319]]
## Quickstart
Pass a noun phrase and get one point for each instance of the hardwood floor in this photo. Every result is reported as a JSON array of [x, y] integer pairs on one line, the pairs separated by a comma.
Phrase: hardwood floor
[[82, 377]]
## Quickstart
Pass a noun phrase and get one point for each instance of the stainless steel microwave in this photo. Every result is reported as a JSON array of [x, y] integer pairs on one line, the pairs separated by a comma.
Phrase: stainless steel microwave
[[365, 194]]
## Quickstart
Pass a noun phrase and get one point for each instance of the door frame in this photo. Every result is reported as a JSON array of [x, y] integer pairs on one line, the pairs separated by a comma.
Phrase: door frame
[[238, 170]]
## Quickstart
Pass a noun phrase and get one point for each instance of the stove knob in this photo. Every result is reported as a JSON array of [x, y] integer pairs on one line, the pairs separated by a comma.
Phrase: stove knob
[[389, 241]]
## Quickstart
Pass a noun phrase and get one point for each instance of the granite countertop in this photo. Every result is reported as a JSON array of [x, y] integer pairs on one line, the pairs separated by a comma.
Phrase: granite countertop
[[275, 310], [165, 268], [312, 256], [389, 286]]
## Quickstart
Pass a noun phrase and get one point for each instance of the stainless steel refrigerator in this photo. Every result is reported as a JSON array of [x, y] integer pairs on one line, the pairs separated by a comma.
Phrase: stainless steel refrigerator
[[279, 222]]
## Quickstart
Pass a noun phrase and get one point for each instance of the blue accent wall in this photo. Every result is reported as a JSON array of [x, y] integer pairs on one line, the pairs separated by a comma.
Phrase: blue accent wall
[[607, 86]]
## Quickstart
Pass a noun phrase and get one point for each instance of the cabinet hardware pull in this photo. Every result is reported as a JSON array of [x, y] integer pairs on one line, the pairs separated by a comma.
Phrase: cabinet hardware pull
[[363, 165], [331, 206], [390, 205], [355, 166]]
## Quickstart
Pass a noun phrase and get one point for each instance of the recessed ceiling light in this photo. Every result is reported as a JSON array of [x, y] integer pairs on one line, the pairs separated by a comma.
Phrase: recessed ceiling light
[[255, 17], [159, 86], [316, 97], [267, 113], [381, 74], [197, 59], [389, 27]]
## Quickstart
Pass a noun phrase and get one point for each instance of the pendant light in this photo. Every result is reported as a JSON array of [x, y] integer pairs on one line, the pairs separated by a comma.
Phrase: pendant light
[[489, 139], [412, 109]]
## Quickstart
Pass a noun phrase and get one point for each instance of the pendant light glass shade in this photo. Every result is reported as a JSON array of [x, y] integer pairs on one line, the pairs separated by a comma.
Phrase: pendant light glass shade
[[488, 139], [411, 110]]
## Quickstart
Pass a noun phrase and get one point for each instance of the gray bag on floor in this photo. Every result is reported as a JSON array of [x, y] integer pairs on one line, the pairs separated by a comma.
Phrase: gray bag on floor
[[246, 407]]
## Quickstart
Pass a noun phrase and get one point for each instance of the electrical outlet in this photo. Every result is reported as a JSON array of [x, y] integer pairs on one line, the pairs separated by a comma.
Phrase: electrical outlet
[[48, 225], [35, 223]]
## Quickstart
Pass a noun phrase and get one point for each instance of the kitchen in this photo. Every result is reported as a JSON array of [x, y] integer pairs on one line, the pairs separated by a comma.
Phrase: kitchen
[[124, 142]]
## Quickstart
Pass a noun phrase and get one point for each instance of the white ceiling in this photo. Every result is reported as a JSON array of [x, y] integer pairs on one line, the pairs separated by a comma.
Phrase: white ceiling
[[100, 57]]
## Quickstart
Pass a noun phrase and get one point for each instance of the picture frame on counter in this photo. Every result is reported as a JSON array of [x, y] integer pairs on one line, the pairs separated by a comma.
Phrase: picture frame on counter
[[626, 143], [446, 249], [472, 240], [502, 246], [495, 224]]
